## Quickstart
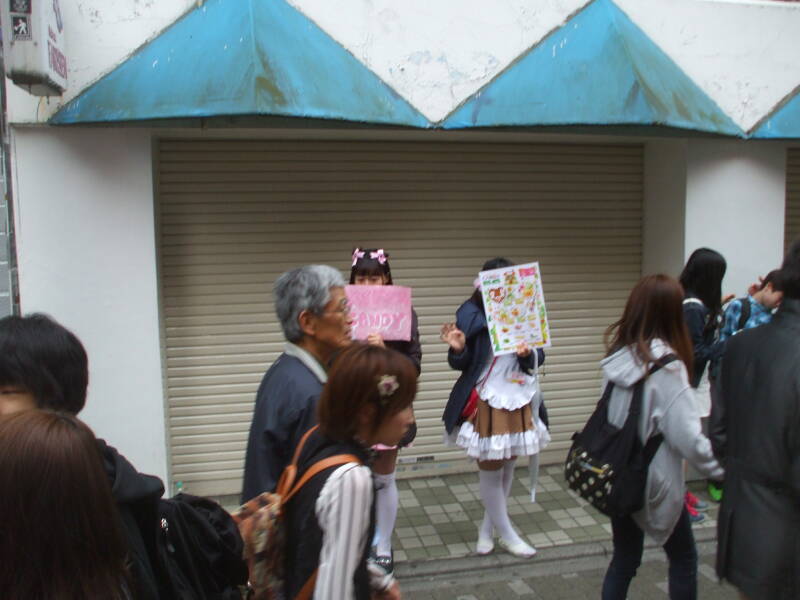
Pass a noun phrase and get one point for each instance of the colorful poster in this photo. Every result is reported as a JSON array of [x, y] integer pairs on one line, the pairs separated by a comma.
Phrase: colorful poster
[[384, 309], [514, 304]]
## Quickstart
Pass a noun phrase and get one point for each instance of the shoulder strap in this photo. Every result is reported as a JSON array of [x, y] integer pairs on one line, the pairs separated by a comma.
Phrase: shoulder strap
[[745, 314], [318, 467], [307, 590], [638, 389], [289, 474], [652, 444]]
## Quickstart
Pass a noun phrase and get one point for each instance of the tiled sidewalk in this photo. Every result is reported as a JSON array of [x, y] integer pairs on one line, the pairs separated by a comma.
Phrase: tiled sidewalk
[[439, 516]]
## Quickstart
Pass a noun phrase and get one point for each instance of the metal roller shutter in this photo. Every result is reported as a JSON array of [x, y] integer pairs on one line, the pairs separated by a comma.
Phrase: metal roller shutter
[[792, 196], [235, 214]]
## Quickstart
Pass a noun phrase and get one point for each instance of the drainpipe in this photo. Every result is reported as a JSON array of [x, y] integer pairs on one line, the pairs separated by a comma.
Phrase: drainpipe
[[5, 153]]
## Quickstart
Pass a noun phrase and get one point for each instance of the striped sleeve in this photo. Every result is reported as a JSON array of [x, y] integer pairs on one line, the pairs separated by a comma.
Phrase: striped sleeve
[[343, 512]]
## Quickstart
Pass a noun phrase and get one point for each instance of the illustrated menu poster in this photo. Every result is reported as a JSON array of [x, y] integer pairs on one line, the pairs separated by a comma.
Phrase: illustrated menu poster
[[384, 309], [514, 304]]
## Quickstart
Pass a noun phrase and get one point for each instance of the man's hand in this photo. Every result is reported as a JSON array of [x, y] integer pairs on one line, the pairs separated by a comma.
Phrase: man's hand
[[454, 337]]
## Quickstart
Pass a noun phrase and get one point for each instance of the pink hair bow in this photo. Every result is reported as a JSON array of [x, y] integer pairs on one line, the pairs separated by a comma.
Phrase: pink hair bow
[[379, 255], [357, 253]]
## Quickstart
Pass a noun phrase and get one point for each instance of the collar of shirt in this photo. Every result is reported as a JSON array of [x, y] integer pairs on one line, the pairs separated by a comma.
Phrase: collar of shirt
[[757, 309], [305, 357]]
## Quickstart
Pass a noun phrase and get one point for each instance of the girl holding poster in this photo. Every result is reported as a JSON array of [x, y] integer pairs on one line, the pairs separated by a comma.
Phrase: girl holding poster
[[371, 267], [495, 413]]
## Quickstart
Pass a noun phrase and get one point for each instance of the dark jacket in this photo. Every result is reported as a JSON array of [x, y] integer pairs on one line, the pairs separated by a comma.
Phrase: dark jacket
[[136, 496], [755, 429], [704, 343], [471, 319], [286, 407], [412, 348]]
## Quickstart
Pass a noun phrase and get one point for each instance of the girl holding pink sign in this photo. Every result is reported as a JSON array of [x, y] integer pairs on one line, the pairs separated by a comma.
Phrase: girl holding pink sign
[[371, 267]]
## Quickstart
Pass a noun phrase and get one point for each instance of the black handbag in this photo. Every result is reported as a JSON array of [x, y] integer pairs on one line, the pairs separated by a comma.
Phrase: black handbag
[[607, 465]]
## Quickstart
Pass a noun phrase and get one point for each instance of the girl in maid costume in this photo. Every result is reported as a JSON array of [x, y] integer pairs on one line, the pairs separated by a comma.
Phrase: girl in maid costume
[[495, 413], [370, 266]]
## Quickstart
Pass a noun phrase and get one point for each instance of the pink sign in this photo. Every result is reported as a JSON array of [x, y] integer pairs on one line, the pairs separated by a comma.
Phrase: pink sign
[[384, 309]]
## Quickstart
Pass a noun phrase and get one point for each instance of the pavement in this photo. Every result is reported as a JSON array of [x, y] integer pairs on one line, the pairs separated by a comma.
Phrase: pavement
[[436, 532], [437, 528]]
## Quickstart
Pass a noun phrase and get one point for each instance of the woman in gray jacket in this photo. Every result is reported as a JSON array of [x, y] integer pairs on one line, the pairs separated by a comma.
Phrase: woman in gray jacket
[[651, 327]]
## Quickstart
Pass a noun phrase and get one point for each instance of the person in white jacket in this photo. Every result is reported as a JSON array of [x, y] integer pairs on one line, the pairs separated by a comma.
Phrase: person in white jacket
[[651, 327]]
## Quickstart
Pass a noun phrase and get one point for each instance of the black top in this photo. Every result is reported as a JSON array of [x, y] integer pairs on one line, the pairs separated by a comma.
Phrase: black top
[[136, 496], [304, 535], [704, 343], [412, 348], [755, 431]]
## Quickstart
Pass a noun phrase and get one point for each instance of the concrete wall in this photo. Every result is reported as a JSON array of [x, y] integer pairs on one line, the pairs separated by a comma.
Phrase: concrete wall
[[728, 195], [86, 250], [735, 204], [5, 276], [664, 206]]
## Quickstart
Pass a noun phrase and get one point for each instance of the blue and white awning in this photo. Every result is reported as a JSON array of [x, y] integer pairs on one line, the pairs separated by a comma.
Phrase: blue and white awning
[[266, 58]]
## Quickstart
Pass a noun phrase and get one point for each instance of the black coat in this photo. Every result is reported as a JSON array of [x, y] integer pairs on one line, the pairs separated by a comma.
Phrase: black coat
[[136, 496], [755, 430], [286, 407], [471, 319]]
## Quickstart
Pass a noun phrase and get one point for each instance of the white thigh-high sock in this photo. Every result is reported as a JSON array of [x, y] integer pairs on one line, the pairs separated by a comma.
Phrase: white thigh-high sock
[[485, 532], [494, 501], [385, 512]]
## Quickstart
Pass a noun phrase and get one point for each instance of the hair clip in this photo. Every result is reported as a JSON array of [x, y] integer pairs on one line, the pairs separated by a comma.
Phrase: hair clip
[[357, 254], [387, 385], [380, 255]]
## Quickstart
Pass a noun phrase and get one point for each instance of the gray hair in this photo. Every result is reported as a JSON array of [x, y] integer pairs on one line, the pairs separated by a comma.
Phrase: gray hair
[[305, 288]]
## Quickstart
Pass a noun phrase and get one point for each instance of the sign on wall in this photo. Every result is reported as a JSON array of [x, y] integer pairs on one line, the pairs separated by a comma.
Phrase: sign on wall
[[383, 309], [514, 304], [33, 45]]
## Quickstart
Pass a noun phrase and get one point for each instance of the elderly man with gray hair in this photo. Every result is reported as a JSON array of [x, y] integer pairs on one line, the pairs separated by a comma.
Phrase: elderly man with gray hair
[[312, 308]]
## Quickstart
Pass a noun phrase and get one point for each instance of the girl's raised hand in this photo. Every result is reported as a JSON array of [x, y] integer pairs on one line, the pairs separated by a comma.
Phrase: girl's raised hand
[[454, 337], [523, 350], [375, 339]]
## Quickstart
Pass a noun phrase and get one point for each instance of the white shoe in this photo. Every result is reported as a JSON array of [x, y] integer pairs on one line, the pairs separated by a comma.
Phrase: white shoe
[[484, 546], [520, 548]]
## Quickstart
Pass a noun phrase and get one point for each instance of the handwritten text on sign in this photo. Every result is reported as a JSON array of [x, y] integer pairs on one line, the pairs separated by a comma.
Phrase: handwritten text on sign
[[384, 309]]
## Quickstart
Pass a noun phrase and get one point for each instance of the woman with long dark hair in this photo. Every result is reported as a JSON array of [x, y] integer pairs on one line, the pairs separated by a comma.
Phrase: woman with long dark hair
[[701, 279], [61, 536], [651, 328]]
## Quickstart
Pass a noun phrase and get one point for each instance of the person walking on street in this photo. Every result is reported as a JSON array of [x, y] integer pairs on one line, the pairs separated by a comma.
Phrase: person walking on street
[[755, 427], [701, 279], [313, 312], [651, 328]]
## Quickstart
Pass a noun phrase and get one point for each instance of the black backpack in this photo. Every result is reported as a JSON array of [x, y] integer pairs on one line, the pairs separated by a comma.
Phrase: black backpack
[[607, 465], [198, 551]]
